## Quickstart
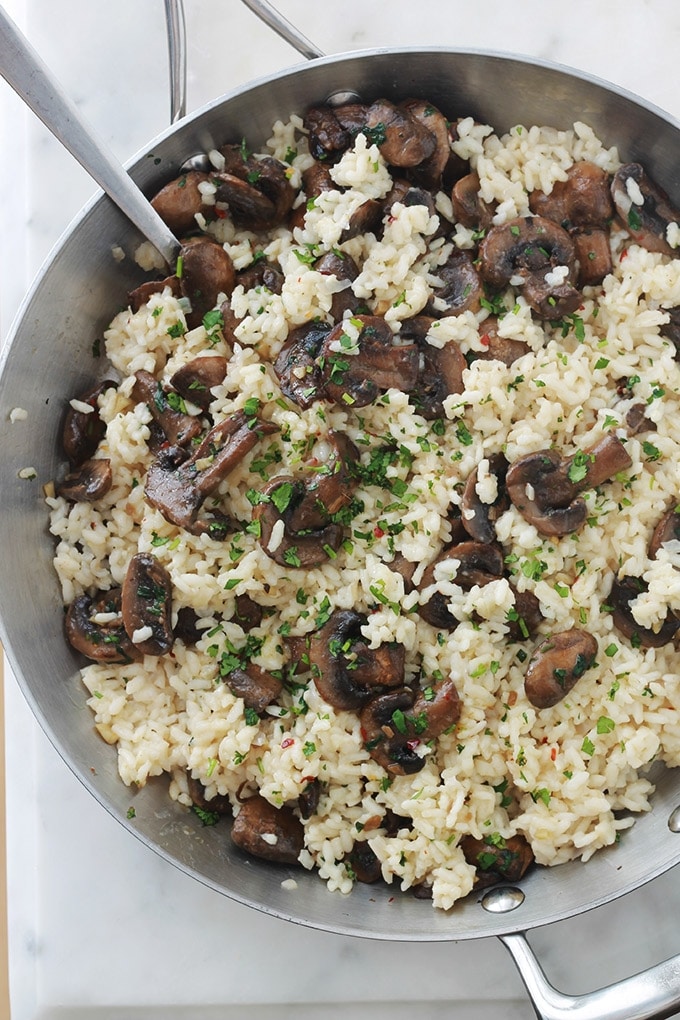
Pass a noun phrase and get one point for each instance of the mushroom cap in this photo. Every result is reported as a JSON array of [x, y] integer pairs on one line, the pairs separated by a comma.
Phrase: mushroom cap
[[556, 664], [146, 605]]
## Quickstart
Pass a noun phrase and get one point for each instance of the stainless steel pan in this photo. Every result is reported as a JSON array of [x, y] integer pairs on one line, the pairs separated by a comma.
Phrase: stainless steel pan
[[48, 358]]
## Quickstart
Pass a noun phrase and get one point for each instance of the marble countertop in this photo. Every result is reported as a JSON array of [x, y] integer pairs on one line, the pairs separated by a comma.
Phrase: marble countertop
[[99, 926]]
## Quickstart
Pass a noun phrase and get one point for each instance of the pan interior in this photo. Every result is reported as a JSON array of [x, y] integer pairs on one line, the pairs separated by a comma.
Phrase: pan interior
[[50, 356]]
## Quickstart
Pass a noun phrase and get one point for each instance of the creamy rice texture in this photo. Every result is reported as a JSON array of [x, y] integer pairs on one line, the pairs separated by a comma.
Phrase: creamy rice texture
[[569, 778]]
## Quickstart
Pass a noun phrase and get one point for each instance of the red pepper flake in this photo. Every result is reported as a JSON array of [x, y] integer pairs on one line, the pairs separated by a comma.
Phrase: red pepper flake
[[485, 340], [553, 753], [623, 255], [412, 744], [308, 779], [287, 742], [221, 214], [378, 531]]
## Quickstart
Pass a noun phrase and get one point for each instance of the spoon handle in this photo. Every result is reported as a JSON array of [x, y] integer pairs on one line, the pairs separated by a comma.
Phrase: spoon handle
[[276, 21], [28, 75]]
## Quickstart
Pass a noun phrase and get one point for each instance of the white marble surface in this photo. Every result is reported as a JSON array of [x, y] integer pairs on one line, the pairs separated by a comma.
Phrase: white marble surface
[[99, 926]]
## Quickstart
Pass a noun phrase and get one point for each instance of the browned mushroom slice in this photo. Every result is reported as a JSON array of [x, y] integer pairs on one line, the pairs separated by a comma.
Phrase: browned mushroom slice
[[88, 483], [430, 171], [267, 832], [544, 495], [261, 274], [469, 208], [540, 256], [402, 139], [545, 488], [637, 420], [256, 686], [440, 374], [478, 564], [207, 271], [178, 485], [146, 605], [386, 734], [624, 591], [138, 297], [460, 290], [328, 139], [355, 372], [344, 269], [178, 427], [330, 489], [505, 859], [556, 664], [308, 801], [364, 220], [197, 378], [594, 256], [582, 200], [667, 530], [185, 629], [525, 617], [409, 195], [257, 191], [248, 613], [436, 710], [94, 627], [308, 547], [84, 430], [179, 201], [218, 805], [671, 329], [317, 179], [499, 348], [297, 366], [479, 519], [365, 866], [346, 672], [644, 209]]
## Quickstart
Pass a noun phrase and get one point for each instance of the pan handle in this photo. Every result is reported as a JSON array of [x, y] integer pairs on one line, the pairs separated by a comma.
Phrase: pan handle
[[265, 12], [653, 994]]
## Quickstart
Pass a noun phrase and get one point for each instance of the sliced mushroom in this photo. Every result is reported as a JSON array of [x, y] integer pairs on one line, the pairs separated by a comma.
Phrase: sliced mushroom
[[178, 427], [504, 859], [346, 672], [179, 201], [247, 613], [308, 801], [667, 530], [138, 297], [354, 373], [344, 269], [271, 833], [307, 547], [461, 288], [478, 564], [257, 190], [385, 733], [499, 348], [330, 488], [328, 139], [582, 200], [624, 591], [185, 629], [366, 867], [436, 710], [469, 208], [83, 431], [220, 804], [644, 209], [671, 329], [526, 617], [297, 364], [545, 488], [94, 627], [256, 686], [540, 256], [637, 421], [430, 171], [402, 139], [479, 518], [146, 605], [556, 664], [594, 256], [178, 485], [207, 272], [197, 378], [440, 370], [261, 274], [88, 482]]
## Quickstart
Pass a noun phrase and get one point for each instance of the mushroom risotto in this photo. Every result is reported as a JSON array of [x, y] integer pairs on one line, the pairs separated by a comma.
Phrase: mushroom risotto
[[372, 531]]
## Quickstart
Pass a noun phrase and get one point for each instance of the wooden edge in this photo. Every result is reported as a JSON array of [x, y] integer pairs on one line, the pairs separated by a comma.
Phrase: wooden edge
[[4, 947]]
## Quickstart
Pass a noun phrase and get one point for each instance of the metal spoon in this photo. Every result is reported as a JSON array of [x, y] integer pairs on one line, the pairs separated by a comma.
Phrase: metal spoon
[[30, 78]]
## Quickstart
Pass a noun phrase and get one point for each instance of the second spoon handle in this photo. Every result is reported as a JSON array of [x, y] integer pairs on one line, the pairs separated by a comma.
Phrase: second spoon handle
[[29, 76]]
